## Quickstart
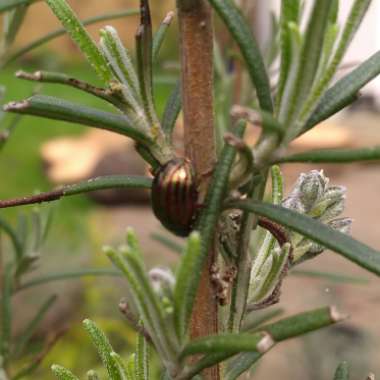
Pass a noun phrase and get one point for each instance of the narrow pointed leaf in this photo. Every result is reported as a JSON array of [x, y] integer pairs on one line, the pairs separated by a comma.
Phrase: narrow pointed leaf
[[310, 54], [62, 31], [342, 372], [53, 277], [12, 23], [93, 184], [334, 155], [103, 347], [144, 55], [142, 359], [6, 311], [345, 91], [346, 246], [80, 36], [184, 291], [172, 109], [244, 38], [120, 366], [160, 35], [357, 13], [59, 109], [121, 63], [16, 242], [290, 10], [62, 373]]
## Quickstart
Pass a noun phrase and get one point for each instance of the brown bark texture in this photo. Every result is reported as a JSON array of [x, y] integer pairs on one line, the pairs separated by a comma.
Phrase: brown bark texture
[[197, 82]]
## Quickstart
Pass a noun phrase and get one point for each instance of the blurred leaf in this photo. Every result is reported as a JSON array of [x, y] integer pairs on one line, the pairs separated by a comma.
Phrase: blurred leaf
[[333, 277], [241, 32], [187, 277], [334, 155], [309, 57], [59, 109], [62, 373], [358, 11], [32, 326], [78, 33], [92, 375], [345, 91], [172, 110], [7, 5], [12, 23], [104, 349], [6, 310], [52, 277], [348, 247], [342, 372], [290, 11], [62, 31], [168, 242], [17, 245]]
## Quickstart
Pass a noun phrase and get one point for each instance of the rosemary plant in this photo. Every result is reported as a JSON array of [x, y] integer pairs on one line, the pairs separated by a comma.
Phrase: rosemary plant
[[241, 247]]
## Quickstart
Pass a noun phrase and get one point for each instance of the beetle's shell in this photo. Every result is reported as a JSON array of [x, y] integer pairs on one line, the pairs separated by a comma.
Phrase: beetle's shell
[[174, 196]]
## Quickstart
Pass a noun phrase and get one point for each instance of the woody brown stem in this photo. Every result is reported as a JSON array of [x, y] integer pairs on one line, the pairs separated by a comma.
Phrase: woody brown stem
[[196, 35]]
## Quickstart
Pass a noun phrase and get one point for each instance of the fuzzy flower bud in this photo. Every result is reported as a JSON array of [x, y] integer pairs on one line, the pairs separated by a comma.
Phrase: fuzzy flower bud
[[313, 196]]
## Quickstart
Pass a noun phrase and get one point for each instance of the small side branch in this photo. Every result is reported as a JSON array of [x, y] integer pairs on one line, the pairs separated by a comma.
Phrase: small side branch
[[59, 78], [94, 184]]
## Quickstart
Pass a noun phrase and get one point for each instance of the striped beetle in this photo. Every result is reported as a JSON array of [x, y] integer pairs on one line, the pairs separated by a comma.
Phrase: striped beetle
[[175, 195]]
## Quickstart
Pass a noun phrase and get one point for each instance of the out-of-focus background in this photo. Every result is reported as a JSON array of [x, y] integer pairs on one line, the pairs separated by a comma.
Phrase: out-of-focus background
[[42, 154]]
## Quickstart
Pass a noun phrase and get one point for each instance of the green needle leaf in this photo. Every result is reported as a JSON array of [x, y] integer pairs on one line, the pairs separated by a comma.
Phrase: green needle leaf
[[59, 109], [172, 109], [103, 347], [41, 280], [62, 31], [244, 38], [358, 11], [345, 91], [342, 372], [80, 36], [184, 292], [63, 373], [290, 10], [309, 58], [142, 359], [346, 246], [334, 155], [6, 311], [160, 35]]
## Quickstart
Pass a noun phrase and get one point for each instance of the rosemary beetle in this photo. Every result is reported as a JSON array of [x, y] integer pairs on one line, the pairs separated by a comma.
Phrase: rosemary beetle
[[175, 195]]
